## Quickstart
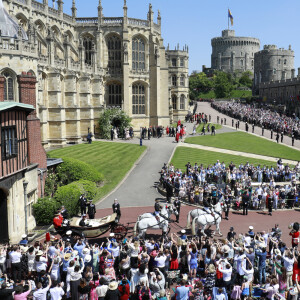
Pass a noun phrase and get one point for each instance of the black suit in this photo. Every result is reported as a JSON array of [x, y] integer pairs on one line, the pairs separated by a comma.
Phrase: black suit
[[116, 209], [82, 203], [177, 205], [91, 210], [245, 201]]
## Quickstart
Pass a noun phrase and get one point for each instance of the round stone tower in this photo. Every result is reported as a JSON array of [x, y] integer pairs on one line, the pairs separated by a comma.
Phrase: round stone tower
[[273, 64], [231, 53]]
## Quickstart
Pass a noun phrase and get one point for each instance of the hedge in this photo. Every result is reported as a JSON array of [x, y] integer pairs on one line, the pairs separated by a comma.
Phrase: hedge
[[68, 195], [73, 169], [44, 210]]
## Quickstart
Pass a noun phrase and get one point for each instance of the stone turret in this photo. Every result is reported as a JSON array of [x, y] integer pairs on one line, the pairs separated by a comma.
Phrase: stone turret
[[74, 9], [100, 12]]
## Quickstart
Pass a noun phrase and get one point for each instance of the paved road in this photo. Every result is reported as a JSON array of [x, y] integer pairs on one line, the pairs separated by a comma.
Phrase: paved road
[[138, 189]]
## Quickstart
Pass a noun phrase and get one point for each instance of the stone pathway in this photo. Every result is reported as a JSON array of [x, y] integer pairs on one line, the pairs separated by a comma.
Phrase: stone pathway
[[138, 188], [232, 152]]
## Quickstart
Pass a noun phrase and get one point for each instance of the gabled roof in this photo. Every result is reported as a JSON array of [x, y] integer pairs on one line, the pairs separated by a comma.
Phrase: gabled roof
[[8, 105]]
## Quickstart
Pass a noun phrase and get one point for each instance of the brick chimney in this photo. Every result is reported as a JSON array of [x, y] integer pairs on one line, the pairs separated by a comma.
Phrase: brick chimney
[[27, 92]]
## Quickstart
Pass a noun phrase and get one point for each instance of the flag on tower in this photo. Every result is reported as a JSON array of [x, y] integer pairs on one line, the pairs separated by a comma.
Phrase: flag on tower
[[230, 17]]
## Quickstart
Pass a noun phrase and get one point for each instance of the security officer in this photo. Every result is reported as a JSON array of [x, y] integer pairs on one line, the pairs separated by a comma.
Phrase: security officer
[[245, 202], [116, 208], [177, 204], [82, 203], [91, 209], [227, 203]]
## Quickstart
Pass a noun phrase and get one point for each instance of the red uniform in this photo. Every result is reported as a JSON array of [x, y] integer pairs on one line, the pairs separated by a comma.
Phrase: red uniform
[[57, 221], [295, 238]]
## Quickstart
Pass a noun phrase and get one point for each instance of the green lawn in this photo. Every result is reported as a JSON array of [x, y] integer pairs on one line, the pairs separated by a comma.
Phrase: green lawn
[[199, 127], [245, 142], [234, 94], [113, 160], [184, 155]]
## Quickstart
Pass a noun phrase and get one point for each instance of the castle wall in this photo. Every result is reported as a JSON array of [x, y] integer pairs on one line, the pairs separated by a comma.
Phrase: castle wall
[[231, 53]]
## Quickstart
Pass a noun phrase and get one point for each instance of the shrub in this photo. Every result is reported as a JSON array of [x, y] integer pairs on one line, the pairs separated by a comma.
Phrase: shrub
[[51, 183], [44, 210], [68, 195], [73, 169]]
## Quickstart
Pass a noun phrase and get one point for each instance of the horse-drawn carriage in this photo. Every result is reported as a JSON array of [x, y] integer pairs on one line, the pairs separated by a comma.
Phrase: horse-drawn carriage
[[95, 227]]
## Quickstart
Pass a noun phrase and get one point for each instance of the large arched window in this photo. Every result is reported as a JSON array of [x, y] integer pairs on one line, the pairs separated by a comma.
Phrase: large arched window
[[115, 94], [138, 99], [138, 54], [88, 47], [114, 53], [9, 88], [182, 102], [174, 101]]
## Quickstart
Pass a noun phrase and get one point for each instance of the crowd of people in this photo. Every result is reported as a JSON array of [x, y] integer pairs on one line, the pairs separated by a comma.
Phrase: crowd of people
[[178, 267], [262, 117], [265, 186]]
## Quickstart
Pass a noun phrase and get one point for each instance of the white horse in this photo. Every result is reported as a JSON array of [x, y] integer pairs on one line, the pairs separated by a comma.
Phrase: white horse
[[207, 219], [192, 215], [148, 220]]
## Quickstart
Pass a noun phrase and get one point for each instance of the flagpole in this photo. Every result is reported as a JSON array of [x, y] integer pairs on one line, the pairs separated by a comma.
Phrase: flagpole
[[228, 17]]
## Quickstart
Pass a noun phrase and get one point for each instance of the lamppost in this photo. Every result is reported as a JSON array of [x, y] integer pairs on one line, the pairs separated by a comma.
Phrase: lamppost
[[25, 184]]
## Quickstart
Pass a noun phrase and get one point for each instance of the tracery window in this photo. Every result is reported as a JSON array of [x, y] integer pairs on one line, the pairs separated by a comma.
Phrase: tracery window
[[182, 102], [138, 99], [114, 94], [9, 94], [88, 47], [174, 101], [114, 53], [138, 54]]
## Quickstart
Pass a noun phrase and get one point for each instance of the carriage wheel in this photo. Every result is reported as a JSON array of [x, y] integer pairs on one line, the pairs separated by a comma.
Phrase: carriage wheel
[[120, 231]]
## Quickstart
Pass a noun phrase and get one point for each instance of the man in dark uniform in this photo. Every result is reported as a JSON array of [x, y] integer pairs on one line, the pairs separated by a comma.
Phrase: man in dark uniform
[[253, 126], [293, 139], [91, 209], [149, 133], [281, 139], [246, 127], [226, 206], [177, 204], [245, 202], [207, 206], [262, 130], [231, 234], [213, 130], [112, 134], [277, 137], [64, 213], [169, 190], [68, 238], [82, 202], [271, 134], [116, 208]]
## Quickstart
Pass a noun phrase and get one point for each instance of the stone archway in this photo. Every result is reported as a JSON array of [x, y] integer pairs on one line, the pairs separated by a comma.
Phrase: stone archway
[[3, 217]]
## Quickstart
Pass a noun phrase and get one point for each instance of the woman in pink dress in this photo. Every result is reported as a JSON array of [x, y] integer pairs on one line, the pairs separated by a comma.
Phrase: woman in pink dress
[[93, 284]]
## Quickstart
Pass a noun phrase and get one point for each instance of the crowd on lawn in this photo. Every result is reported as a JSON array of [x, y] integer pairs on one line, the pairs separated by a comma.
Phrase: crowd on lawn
[[180, 267], [266, 118], [262, 184]]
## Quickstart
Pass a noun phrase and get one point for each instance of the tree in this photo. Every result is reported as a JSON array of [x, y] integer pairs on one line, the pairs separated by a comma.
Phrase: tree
[[223, 84], [199, 83], [113, 117], [246, 79]]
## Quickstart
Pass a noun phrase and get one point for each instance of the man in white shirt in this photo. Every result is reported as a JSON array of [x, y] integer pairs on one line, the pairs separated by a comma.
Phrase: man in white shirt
[[57, 292], [15, 257], [288, 262], [239, 263], [40, 293]]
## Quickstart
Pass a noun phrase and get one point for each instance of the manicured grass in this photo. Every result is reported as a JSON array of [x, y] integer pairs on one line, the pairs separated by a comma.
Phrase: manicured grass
[[245, 142], [234, 94], [200, 126], [113, 160], [183, 155]]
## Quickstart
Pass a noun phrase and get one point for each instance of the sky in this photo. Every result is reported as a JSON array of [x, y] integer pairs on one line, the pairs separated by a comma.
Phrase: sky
[[196, 22]]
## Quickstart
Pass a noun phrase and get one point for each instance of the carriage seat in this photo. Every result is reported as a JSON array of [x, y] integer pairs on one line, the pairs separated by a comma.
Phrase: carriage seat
[[95, 223]]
